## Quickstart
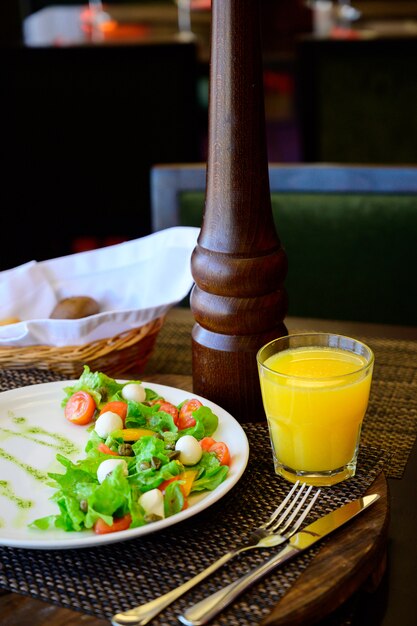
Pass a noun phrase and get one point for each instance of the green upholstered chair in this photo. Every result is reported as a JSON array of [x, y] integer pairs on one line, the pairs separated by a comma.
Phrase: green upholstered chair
[[350, 234]]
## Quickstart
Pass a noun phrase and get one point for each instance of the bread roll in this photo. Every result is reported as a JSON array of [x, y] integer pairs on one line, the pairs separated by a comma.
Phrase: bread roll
[[75, 307]]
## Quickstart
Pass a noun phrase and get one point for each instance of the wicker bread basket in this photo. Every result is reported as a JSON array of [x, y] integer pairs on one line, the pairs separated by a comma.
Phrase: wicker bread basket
[[119, 338], [123, 353]]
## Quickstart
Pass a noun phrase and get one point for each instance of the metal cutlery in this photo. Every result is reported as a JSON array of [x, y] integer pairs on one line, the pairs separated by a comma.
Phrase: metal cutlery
[[202, 612], [283, 523]]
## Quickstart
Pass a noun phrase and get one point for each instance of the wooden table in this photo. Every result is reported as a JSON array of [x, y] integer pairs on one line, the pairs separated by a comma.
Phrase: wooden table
[[392, 603]]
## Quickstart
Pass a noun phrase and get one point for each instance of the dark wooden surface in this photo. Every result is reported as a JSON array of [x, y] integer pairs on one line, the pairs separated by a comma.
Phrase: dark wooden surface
[[18, 610]]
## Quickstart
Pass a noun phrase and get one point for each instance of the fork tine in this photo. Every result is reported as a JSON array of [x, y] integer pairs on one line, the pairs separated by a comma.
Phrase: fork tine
[[303, 514], [277, 525], [281, 507], [286, 513], [284, 508]]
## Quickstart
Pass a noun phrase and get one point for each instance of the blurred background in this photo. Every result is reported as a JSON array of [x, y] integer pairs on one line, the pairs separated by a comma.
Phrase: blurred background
[[93, 95]]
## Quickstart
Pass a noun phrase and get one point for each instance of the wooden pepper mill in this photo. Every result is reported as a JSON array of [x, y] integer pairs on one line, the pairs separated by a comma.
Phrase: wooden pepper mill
[[239, 266]]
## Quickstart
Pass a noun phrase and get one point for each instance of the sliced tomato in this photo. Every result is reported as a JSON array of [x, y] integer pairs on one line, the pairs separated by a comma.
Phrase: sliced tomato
[[221, 450], [206, 443], [170, 408], [118, 407], [121, 523], [80, 408], [186, 419], [162, 487], [106, 450]]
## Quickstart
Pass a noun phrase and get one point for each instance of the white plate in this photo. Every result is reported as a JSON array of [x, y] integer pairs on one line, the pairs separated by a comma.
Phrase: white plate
[[24, 496]]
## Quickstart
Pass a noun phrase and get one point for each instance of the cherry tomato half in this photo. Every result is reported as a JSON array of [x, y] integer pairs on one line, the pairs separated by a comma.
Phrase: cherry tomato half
[[118, 407], [206, 443], [106, 450], [121, 523], [186, 419], [170, 408], [221, 450], [80, 408]]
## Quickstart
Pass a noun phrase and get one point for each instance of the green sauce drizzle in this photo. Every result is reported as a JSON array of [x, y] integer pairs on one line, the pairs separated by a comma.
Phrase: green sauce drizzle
[[30, 432], [39, 436], [7, 491], [33, 471]]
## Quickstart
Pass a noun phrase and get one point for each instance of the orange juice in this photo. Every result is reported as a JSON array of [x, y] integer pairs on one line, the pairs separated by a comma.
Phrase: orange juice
[[315, 399]]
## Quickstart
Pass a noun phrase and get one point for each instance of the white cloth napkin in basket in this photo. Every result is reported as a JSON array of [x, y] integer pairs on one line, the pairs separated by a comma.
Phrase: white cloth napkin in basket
[[134, 283]]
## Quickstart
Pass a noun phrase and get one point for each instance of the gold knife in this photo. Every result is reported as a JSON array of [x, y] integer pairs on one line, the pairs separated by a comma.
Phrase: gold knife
[[204, 611]]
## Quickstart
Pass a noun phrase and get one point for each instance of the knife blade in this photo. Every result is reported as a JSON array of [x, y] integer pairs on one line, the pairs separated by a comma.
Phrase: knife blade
[[203, 611]]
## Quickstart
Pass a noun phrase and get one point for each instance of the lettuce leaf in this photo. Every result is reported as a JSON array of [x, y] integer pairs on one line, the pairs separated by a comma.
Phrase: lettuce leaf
[[210, 480], [97, 384], [103, 388], [174, 499]]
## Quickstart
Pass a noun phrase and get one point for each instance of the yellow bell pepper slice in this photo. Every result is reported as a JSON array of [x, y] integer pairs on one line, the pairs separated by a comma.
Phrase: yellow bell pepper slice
[[188, 477], [133, 434]]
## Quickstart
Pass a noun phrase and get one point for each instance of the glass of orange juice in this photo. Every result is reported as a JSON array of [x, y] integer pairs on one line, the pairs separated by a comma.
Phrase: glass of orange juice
[[315, 390]]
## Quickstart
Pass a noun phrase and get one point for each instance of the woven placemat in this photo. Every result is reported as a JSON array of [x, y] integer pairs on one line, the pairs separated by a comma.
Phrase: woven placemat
[[391, 420], [105, 580]]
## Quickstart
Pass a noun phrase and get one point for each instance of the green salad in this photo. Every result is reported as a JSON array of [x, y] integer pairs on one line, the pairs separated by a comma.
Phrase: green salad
[[144, 456]]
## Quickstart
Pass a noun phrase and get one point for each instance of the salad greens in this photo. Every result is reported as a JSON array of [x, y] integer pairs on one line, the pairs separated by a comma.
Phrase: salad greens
[[150, 462]]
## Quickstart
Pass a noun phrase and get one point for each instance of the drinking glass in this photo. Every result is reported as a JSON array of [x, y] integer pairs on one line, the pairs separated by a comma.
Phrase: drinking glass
[[315, 391]]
